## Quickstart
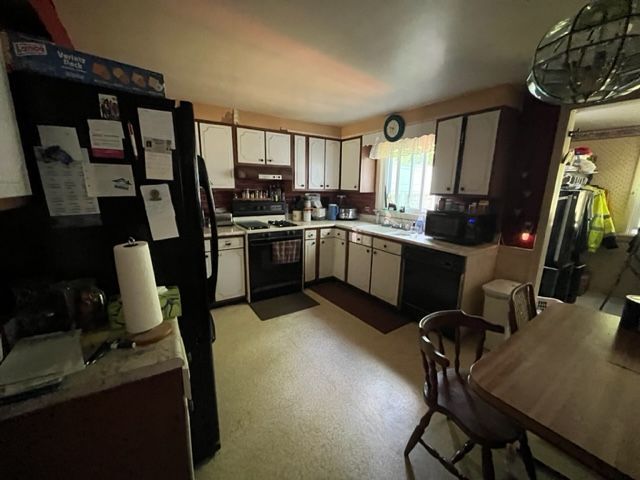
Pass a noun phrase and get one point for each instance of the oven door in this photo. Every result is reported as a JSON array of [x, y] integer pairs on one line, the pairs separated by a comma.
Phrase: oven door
[[267, 278]]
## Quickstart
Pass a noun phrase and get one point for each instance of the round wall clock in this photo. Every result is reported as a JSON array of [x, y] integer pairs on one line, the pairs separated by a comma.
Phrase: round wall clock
[[393, 128]]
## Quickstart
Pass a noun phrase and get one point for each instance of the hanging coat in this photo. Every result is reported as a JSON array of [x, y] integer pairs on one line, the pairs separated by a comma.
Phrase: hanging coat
[[601, 228]]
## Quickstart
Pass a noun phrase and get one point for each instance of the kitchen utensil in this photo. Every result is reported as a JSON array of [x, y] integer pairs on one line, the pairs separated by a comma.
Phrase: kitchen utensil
[[348, 213], [332, 211], [319, 213]]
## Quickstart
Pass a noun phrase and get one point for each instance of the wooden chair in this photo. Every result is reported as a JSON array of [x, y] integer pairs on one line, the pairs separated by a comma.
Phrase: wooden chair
[[446, 391], [522, 306]]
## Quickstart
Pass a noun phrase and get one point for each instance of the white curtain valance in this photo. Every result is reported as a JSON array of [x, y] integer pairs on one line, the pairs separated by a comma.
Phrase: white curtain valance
[[383, 150]]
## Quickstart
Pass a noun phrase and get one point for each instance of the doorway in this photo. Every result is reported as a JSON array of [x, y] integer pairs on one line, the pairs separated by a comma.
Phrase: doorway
[[596, 210]]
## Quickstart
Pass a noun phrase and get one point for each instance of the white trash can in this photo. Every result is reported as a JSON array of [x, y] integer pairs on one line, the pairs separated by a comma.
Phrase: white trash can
[[496, 308]]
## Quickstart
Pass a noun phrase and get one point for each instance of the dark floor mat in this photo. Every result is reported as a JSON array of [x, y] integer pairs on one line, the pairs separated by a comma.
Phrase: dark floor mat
[[283, 305], [370, 310]]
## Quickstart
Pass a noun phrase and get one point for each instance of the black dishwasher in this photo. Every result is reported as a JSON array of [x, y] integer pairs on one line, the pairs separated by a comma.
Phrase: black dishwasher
[[431, 281]]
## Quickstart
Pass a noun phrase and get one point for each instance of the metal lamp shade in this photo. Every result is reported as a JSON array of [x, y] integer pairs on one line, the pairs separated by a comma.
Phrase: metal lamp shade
[[591, 57]]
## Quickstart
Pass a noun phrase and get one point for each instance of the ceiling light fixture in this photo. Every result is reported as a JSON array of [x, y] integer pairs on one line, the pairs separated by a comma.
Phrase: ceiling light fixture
[[591, 57]]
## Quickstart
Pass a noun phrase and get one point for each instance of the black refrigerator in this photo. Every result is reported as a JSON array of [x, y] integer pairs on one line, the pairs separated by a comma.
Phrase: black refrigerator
[[563, 264], [33, 244]]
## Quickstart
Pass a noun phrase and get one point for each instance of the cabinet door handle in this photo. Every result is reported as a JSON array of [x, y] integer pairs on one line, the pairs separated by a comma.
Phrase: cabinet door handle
[[367, 250], [322, 185], [448, 188], [313, 243], [261, 159], [270, 160], [228, 244], [327, 186], [384, 245], [462, 189], [322, 242], [342, 243], [302, 184], [375, 253]]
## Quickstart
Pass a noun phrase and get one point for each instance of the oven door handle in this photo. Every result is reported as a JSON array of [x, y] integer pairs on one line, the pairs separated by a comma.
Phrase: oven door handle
[[258, 243]]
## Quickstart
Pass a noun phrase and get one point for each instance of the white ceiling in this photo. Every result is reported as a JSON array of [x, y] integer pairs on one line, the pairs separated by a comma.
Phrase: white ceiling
[[614, 115], [330, 61]]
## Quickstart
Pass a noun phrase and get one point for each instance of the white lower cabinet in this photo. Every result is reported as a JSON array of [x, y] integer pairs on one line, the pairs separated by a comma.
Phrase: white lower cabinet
[[359, 272], [339, 258], [310, 260], [230, 274], [385, 276], [325, 268]]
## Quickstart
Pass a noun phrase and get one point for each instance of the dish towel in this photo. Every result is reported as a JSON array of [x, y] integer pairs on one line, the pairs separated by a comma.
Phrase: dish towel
[[286, 251]]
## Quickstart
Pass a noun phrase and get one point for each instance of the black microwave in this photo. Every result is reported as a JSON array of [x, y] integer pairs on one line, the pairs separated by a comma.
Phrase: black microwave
[[461, 228]]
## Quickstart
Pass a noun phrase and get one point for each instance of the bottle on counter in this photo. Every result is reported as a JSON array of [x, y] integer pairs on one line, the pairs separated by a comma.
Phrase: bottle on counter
[[419, 229]]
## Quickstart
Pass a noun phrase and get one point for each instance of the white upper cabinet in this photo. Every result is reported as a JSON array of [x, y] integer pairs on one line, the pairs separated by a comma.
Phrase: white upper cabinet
[[300, 165], [446, 156], [385, 276], [250, 146], [332, 165], [316, 163], [278, 147], [479, 148], [350, 166], [216, 147]]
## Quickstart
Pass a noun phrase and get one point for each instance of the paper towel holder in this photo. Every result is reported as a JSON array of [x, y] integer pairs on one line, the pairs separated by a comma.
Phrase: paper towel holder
[[131, 242]]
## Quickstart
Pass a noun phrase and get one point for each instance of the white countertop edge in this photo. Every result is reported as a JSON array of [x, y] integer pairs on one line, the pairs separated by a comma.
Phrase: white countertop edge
[[361, 227]]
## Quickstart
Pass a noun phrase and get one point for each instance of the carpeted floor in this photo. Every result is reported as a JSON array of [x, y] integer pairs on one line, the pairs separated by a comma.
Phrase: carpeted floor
[[374, 312], [318, 394]]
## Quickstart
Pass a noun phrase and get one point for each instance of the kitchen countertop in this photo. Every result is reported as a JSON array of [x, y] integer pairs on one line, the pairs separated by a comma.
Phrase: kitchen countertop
[[116, 368], [369, 229]]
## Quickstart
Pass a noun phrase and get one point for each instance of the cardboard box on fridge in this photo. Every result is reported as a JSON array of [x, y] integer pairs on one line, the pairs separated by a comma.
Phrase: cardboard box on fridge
[[23, 52]]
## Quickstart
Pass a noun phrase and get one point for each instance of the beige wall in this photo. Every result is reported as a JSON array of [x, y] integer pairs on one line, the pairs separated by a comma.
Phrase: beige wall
[[501, 95], [225, 114], [616, 162]]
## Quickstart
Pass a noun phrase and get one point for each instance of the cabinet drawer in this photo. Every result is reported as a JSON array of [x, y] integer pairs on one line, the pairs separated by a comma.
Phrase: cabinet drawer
[[228, 243], [310, 234], [361, 239], [387, 246], [332, 233]]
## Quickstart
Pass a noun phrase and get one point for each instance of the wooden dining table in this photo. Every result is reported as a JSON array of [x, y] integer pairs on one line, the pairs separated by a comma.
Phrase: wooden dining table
[[572, 377]]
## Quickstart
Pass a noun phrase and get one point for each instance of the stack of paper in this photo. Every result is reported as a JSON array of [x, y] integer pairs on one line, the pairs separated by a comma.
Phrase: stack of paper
[[39, 361]]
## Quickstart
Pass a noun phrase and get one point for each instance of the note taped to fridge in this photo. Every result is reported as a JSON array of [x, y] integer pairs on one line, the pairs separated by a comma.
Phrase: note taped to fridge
[[159, 166], [160, 212], [156, 127], [109, 180], [106, 138], [64, 137], [64, 185]]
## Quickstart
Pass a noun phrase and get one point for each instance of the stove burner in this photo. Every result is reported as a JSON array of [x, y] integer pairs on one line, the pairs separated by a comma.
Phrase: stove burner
[[282, 223], [252, 225]]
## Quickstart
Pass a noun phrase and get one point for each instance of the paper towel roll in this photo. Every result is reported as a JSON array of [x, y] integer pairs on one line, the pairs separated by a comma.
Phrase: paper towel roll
[[137, 286]]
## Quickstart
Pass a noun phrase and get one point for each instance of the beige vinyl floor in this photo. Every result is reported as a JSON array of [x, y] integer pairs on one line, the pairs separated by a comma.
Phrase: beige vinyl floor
[[318, 394]]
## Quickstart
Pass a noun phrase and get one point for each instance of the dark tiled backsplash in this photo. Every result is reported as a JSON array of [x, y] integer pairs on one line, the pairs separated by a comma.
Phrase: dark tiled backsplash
[[364, 202]]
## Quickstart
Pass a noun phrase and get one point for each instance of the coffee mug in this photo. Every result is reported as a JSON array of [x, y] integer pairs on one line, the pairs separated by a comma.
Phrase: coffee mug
[[297, 216]]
